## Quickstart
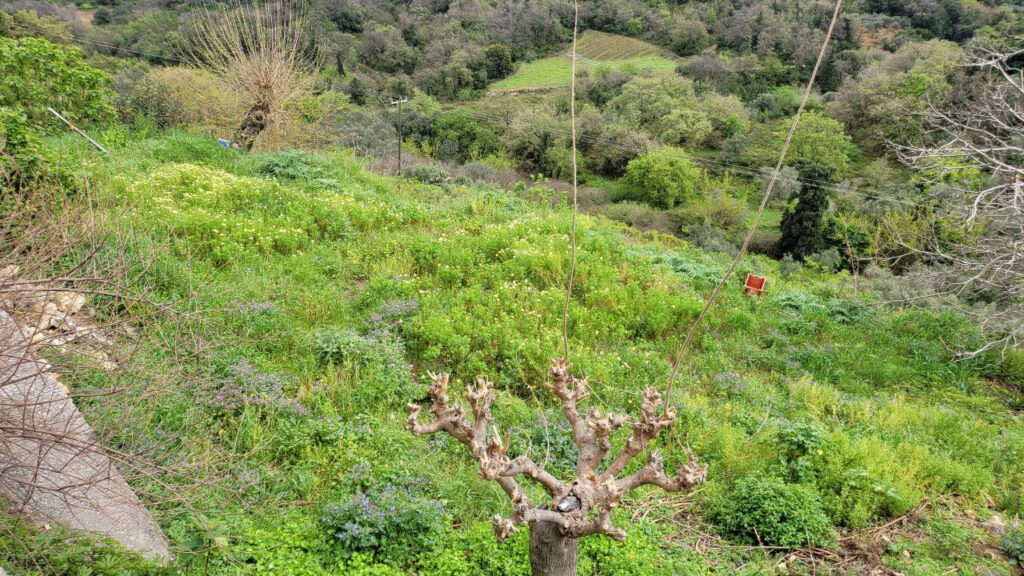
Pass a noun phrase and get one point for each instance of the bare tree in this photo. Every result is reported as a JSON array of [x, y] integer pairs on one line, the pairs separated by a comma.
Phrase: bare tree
[[264, 55], [579, 507], [973, 157]]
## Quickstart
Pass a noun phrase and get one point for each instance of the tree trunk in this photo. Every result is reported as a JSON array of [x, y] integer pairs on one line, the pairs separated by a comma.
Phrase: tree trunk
[[552, 553]]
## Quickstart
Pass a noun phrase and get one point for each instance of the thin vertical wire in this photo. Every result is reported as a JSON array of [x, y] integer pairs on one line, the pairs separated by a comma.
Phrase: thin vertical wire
[[760, 210], [572, 233]]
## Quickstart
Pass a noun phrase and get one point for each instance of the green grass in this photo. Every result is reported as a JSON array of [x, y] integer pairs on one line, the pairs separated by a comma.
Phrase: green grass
[[597, 49], [543, 73], [857, 403]]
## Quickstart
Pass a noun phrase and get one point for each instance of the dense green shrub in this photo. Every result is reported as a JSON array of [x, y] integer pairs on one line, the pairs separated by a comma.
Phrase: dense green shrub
[[799, 443], [709, 238], [337, 346], [766, 510], [1013, 546], [289, 165], [24, 159], [35, 74], [663, 177]]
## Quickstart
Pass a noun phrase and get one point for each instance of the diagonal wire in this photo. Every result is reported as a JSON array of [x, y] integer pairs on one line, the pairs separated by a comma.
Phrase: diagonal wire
[[572, 234], [760, 210]]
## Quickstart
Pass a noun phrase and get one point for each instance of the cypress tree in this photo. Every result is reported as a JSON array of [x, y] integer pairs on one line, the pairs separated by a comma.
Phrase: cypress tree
[[803, 225]]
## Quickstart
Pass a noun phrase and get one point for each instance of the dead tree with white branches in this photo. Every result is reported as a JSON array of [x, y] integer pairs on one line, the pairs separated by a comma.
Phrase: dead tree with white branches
[[982, 273], [578, 507]]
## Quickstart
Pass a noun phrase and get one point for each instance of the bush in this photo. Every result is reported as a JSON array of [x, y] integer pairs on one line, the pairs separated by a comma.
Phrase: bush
[[788, 266], [635, 214], [289, 165], [799, 444], [1013, 546], [710, 239], [432, 174], [766, 510], [663, 177], [396, 522], [337, 346], [35, 74], [24, 160]]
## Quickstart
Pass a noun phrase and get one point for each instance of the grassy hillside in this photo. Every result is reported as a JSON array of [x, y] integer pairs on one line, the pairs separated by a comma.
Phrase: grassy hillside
[[595, 49], [321, 294]]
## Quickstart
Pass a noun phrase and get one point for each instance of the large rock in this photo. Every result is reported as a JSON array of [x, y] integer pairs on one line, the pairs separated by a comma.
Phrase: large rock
[[52, 468]]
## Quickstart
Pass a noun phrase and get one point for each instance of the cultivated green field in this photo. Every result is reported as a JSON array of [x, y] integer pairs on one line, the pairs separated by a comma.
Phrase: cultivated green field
[[603, 46], [596, 49]]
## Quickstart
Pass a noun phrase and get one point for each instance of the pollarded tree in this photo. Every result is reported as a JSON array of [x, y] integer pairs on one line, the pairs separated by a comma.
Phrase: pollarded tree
[[265, 57], [578, 507]]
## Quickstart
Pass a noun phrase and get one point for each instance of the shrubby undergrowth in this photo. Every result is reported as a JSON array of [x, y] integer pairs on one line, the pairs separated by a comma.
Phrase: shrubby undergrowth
[[818, 410]]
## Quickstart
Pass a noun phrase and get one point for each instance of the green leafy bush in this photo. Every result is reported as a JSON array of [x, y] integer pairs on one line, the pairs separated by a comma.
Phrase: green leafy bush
[[766, 510], [24, 159], [428, 174], [337, 346], [799, 443], [35, 74], [289, 165], [663, 177], [1013, 546]]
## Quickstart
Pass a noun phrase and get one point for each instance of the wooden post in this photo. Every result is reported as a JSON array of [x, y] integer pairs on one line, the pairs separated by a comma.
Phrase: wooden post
[[75, 128]]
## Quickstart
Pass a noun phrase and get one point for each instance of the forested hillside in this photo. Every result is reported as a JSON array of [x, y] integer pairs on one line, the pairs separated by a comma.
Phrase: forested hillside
[[242, 285]]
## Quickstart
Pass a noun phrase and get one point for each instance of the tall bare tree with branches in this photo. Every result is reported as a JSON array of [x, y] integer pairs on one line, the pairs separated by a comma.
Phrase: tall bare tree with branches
[[264, 55], [973, 157]]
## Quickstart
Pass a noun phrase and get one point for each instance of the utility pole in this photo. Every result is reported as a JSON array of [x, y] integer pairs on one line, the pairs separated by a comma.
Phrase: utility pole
[[400, 134]]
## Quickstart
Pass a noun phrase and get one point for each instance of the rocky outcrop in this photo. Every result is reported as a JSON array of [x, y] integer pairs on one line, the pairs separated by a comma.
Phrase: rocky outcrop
[[53, 469]]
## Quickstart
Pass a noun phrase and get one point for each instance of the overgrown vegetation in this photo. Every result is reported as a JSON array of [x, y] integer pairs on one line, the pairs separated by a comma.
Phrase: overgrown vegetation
[[302, 298]]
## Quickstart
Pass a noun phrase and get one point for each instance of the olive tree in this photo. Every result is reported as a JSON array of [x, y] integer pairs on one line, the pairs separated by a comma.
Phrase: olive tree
[[581, 506]]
